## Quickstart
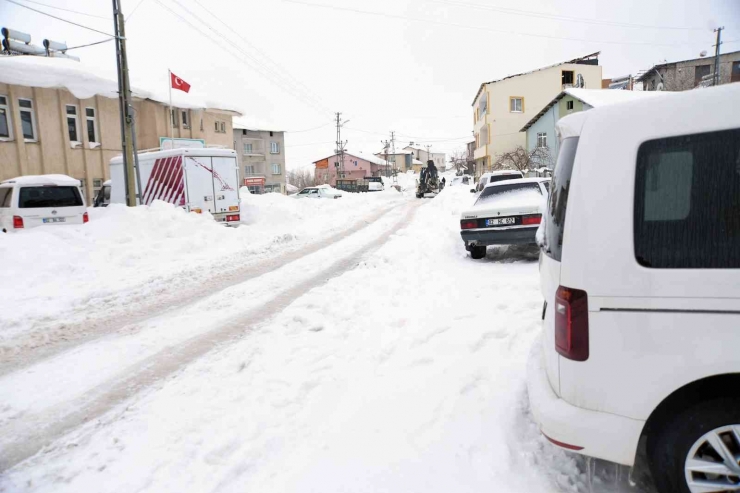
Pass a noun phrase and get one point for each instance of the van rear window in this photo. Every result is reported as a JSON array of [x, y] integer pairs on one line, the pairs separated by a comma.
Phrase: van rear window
[[38, 197], [687, 202], [559, 189], [497, 178]]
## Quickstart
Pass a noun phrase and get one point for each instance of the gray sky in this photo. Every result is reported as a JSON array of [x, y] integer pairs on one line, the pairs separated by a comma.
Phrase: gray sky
[[412, 66]]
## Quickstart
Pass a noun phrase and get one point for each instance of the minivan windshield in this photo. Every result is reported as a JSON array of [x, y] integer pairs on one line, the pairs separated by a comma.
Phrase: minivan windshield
[[509, 190], [38, 197], [559, 189]]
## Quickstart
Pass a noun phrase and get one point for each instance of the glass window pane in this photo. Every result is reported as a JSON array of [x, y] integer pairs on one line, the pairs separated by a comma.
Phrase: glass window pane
[[27, 125], [25, 103], [35, 197], [90, 112], [687, 198], [555, 218], [4, 127], [91, 131], [72, 128], [71, 110], [3, 100]]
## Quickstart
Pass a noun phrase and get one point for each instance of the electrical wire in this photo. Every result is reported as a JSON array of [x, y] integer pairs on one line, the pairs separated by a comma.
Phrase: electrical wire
[[68, 10], [90, 44], [279, 70], [478, 28], [543, 15], [59, 18], [309, 129], [133, 11]]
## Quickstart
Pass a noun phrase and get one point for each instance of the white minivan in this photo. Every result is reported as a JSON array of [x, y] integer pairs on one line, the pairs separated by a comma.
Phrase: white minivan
[[640, 270], [40, 200]]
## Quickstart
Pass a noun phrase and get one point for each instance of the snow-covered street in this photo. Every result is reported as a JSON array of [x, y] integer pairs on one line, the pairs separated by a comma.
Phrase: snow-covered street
[[356, 349]]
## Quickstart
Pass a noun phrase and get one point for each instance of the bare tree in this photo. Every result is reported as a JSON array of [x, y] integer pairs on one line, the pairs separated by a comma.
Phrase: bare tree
[[301, 178], [522, 160], [459, 159]]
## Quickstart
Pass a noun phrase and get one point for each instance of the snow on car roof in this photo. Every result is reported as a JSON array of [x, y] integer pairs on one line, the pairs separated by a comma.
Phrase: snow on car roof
[[58, 180], [571, 125], [518, 180], [502, 172]]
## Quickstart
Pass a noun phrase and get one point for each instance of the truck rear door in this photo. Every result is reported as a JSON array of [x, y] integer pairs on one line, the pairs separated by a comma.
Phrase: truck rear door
[[225, 184], [199, 178]]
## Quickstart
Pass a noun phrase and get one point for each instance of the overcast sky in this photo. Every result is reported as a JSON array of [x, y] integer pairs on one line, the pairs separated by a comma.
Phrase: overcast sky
[[412, 66]]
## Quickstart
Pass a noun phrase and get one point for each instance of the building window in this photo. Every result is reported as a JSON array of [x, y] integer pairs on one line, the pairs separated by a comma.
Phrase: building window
[[247, 148], [97, 185], [567, 78], [249, 170], [28, 119], [274, 147], [699, 72], [735, 74], [173, 118], [72, 123], [223, 127], [483, 105], [90, 119], [271, 133], [6, 127], [569, 105], [275, 169], [220, 127], [541, 139], [516, 105], [185, 119]]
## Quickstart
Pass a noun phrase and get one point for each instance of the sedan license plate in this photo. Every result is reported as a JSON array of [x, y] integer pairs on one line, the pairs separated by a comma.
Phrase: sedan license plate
[[500, 221], [55, 219]]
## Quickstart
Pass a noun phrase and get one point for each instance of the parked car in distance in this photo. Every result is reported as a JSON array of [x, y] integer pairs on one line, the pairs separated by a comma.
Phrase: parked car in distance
[[102, 199], [319, 192], [496, 176], [374, 184], [506, 212], [641, 280], [460, 180], [40, 200]]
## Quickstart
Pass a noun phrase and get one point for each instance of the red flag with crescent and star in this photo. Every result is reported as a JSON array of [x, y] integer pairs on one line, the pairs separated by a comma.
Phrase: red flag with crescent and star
[[178, 83]]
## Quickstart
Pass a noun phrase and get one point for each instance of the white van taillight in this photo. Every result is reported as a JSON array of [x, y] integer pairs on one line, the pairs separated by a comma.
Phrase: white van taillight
[[232, 217], [85, 218], [571, 323], [17, 222], [532, 219]]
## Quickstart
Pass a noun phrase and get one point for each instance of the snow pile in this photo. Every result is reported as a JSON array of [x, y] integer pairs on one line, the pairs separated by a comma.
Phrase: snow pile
[[51, 273], [383, 379]]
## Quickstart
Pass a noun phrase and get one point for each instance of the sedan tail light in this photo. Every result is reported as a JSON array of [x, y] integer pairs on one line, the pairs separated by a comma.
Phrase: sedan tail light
[[533, 219], [17, 222], [469, 223], [85, 218], [571, 323]]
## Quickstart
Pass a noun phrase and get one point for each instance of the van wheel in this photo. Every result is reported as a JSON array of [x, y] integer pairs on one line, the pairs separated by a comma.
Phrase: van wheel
[[477, 252], [699, 450]]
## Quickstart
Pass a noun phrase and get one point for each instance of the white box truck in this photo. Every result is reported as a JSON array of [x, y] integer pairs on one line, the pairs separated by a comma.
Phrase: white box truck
[[198, 180]]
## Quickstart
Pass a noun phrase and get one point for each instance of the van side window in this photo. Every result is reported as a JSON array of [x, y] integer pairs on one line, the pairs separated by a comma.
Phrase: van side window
[[559, 189], [687, 202], [5, 194]]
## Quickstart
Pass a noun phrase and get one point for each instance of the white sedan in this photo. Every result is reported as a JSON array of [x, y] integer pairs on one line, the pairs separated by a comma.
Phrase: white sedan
[[320, 192], [505, 213]]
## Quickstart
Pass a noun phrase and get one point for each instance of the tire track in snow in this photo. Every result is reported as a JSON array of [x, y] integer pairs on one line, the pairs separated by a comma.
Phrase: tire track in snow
[[23, 438], [95, 327]]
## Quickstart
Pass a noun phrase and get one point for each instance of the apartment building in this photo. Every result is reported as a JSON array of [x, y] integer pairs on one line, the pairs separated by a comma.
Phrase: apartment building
[[502, 107], [688, 74], [262, 157], [357, 167], [57, 116], [423, 155]]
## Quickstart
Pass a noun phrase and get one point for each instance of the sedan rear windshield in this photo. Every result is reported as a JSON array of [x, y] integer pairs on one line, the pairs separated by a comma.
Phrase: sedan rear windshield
[[38, 197], [497, 192]]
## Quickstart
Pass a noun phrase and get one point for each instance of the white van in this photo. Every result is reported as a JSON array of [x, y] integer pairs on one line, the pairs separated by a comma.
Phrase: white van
[[40, 200], [197, 179], [496, 176], [640, 270]]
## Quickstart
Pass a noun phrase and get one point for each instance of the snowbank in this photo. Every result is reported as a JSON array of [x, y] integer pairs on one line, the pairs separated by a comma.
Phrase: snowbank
[[50, 274]]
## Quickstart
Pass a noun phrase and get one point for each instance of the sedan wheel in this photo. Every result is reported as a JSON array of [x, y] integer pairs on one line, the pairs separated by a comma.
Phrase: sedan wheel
[[713, 462]]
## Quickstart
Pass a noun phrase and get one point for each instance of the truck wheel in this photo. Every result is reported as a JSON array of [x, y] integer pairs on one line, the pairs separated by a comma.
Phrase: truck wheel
[[699, 450], [477, 252]]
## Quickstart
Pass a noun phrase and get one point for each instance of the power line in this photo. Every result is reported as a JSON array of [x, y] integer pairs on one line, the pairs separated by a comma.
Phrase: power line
[[58, 18], [309, 129], [90, 44], [228, 49], [543, 15], [134, 9], [278, 68], [68, 10], [478, 28]]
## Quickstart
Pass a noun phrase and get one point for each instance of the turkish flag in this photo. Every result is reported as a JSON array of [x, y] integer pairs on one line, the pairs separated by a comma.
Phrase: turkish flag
[[178, 83]]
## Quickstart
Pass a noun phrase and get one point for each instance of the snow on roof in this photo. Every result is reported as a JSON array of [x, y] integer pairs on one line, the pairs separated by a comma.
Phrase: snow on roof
[[84, 81], [367, 157], [575, 60], [59, 180], [571, 125], [642, 77], [416, 161], [595, 98], [398, 151]]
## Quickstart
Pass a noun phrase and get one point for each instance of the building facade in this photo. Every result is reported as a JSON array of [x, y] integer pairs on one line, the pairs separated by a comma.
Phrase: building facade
[[502, 107], [421, 154], [356, 167], [688, 74], [50, 131], [262, 159], [403, 160]]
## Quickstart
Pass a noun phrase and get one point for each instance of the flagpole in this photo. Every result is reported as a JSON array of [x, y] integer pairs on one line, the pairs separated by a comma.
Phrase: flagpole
[[169, 82]]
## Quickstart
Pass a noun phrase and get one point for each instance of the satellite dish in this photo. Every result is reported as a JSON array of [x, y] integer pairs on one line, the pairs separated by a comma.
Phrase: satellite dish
[[703, 53], [660, 87], [579, 81]]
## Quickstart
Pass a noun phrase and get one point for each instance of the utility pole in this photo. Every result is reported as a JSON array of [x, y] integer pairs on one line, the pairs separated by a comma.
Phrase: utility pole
[[340, 148], [386, 144], [395, 164], [716, 55], [124, 103], [429, 153]]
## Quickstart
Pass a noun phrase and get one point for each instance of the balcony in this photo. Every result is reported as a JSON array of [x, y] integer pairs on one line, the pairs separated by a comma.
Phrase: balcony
[[479, 153]]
